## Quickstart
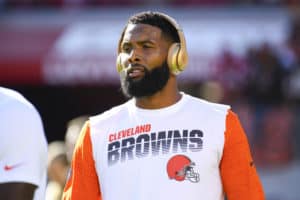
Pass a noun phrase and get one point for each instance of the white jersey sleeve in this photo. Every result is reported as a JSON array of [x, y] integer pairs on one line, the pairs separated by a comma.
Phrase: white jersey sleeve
[[23, 149]]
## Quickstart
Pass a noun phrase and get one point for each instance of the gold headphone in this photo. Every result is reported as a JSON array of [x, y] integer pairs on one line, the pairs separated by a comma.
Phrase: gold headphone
[[177, 54]]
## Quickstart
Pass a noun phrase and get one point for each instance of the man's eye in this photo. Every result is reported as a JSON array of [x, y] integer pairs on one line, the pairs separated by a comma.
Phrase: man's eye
[[147, 46], [125, 48]]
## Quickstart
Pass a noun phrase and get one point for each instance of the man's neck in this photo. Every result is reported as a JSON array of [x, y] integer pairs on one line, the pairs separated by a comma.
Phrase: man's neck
[[168, 96]]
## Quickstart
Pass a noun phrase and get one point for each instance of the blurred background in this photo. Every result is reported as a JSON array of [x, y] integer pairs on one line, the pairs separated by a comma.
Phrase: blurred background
[[60, 54]]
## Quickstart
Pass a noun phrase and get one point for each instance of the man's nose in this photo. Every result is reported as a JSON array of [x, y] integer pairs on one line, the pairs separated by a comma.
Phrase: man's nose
[[134, 56]]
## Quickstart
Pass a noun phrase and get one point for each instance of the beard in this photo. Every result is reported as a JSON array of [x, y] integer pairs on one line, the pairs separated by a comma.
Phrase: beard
[[152, 82]]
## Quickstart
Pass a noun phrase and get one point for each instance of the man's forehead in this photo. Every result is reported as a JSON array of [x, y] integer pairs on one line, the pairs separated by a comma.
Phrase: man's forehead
[[142, 30]]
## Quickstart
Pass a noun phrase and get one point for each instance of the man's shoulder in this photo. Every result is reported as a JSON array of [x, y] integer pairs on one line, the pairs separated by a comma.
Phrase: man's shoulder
[[13, 105], [205, 104], [16, 109], [10, 96]]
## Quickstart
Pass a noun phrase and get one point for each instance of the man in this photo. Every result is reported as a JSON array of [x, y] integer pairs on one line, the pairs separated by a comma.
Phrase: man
[[23, 149], [162, 143]]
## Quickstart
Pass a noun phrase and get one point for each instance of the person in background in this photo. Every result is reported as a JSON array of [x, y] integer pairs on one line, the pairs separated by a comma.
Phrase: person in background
[[58, 167], [23, 149], [59, 158], [73, 130], [162, 143]]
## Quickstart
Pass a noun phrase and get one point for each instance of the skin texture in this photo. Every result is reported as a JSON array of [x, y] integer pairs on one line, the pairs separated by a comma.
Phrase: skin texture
[[145, 46], [17, 191]]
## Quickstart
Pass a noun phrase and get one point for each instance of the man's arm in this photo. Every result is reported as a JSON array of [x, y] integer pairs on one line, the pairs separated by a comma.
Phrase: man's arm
[[82, 182], [17, 191], [239, 176]]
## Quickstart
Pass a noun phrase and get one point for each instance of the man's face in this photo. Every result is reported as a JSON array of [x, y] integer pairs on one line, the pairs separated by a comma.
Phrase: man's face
[[143, 57]]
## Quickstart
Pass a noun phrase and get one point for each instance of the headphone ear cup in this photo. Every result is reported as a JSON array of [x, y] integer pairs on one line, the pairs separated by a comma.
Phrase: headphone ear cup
[[182, 59], [173, 58], [119, 64]]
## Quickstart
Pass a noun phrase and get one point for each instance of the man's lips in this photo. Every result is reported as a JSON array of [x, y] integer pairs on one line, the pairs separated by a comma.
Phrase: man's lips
[[136, 71]]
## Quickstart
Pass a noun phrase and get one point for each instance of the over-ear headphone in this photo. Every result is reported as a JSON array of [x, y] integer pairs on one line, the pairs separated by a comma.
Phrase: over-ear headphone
[[177, 54]]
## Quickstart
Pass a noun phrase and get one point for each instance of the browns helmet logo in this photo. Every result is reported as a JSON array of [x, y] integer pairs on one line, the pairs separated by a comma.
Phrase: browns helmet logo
[[181, 168]]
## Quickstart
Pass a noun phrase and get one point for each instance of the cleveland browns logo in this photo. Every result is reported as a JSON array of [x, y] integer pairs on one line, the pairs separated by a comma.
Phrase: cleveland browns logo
[[180, 168]]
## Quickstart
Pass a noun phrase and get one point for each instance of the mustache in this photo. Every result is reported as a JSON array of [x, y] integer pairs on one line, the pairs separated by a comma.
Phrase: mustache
[[133, 67]]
